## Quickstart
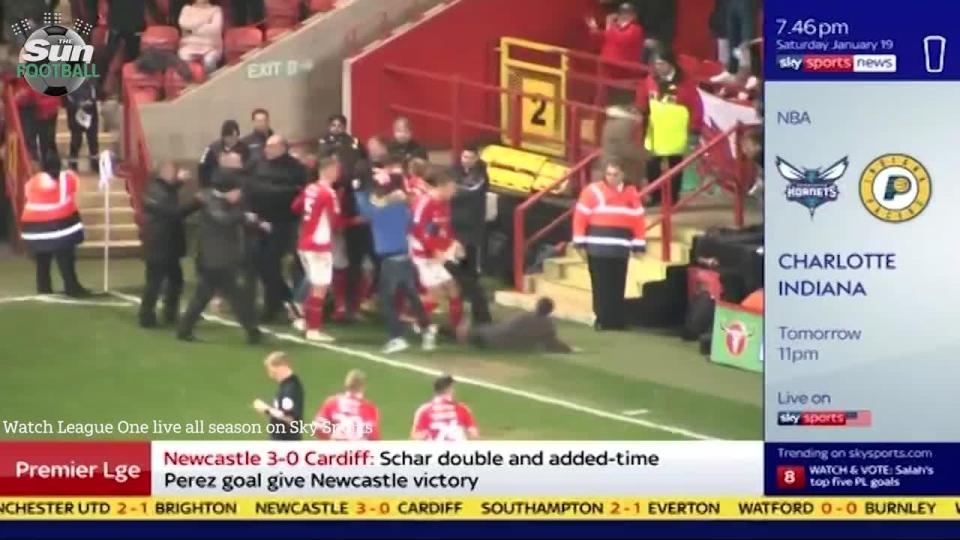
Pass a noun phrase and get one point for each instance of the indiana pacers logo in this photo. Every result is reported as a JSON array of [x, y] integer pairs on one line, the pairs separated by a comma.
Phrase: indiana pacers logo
[[895, 188]]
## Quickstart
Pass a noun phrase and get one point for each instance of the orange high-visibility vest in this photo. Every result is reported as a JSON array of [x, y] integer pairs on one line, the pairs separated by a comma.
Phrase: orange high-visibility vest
[[50, 219], [608, 221]]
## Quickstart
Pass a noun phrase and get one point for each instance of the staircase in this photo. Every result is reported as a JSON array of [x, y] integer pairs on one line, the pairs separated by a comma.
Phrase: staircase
[[566, 279], [120, 228]]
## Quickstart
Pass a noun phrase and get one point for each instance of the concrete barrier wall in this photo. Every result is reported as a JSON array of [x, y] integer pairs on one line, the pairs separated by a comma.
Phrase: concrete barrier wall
[[298, 79]]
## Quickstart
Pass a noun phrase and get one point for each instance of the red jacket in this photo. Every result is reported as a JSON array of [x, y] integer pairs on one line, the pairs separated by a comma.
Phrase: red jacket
[[608, 221], [624, 44], [683, 93], [46, 107]]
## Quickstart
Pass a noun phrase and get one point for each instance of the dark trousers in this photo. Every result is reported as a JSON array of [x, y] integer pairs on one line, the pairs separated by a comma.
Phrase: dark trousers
[[66, 262], [656, 168], [740, 21], [47, 136], [608, 279], [274, 246], [398, 273], [77, 132], [247, 12], [359, 241], [131, 50], [28, 121], [467, 275], [223, 282], [158, 274]]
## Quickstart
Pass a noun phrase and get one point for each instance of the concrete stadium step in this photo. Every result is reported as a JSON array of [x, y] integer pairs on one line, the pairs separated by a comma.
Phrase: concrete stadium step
[[118, 216], [572, 296], [119, 249], [118, 233], [94, 199]]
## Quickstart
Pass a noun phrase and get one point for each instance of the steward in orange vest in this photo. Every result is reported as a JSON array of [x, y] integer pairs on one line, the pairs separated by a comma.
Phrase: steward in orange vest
[[51, 226], [608, 226]]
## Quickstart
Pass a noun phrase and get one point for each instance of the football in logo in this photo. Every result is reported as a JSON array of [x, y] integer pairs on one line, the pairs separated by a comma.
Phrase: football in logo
[[735, 337], [895, 188]]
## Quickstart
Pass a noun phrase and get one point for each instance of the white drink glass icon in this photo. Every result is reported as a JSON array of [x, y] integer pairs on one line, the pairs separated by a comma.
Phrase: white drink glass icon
[[934, 50]]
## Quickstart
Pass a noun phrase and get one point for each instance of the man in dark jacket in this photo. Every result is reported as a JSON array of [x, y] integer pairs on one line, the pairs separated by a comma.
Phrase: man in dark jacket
[[220, 253], [164, 243], [126, 20], [338, 141], [257, 138], [403, 143], [469, 207], [229, 142], [272, 184], [83, 119], [527, 332]]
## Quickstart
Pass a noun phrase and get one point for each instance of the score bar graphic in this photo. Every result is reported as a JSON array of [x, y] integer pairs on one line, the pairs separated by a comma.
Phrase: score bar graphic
[[934, 52]]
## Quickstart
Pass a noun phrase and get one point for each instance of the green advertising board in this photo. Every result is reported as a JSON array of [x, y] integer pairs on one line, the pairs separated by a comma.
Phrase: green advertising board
[[737, 338]]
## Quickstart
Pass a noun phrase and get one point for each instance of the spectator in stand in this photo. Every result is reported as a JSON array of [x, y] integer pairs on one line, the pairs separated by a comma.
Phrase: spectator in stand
[[126, 20], [622, 41], [201, 25], [469, 206], [659, 20], [247, 12], [40, 122], [416, 178], [608, 226], [734, 23], [83, 119], [164, 243], [257, 138], [229, 142], [273, 184], [675, 117], [403, 143]]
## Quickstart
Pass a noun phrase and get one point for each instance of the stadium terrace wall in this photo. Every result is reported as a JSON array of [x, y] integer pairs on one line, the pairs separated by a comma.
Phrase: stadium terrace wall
[[299, 104], [457, 40]]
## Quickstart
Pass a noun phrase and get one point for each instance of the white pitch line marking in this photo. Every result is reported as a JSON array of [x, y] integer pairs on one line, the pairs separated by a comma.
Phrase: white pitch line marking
[[675, 430]]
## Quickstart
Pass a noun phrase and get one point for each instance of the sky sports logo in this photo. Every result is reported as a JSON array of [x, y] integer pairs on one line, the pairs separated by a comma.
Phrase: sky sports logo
[[825, 418], [839, 63]]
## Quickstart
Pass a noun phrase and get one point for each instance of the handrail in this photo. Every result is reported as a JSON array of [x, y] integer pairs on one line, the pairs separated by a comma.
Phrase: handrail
[[520, 244], [18, 164], [136, 156], [667, 206]]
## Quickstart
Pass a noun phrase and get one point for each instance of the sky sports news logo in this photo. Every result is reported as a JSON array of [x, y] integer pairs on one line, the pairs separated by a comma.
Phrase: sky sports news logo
[[825, 418], [838, 63]]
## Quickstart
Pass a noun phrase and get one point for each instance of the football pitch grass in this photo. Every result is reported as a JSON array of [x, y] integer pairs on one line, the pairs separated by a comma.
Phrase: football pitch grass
[[89, 362]]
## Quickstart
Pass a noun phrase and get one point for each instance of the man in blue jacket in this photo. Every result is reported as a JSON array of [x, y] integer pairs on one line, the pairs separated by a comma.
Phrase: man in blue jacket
[[389, 217]]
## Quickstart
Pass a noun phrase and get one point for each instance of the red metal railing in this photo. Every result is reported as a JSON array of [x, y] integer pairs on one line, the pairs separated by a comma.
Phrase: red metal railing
[[136, 157], [17, 162], [574, 144], [667, 206]]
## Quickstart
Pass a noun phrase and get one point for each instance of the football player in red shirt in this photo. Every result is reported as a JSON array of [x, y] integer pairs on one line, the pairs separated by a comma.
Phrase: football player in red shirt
[[417, 170], [349, 416], [443, 418], [432, 244], [320, 211]]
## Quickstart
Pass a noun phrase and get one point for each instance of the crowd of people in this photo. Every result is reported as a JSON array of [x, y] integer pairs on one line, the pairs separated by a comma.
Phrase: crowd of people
[[321, 233], [351, 416]]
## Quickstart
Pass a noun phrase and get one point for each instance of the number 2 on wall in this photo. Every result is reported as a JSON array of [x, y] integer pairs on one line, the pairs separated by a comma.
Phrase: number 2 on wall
[[537, 119]]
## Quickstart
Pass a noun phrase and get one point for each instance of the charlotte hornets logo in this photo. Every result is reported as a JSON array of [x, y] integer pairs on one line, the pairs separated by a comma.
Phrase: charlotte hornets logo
[[812, 188]]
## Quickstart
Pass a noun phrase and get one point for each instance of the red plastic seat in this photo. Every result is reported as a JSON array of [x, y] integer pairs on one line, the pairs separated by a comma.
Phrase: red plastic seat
[[273, 33], [281, 13], [239, 40], [160, 37], [321, 6], [137, 79], [173, 83]]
